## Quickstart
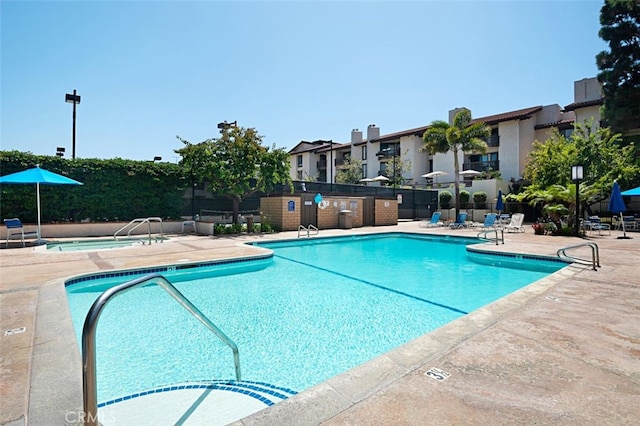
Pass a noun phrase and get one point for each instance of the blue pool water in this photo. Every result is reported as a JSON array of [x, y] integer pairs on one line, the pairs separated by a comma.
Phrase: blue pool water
[[313, 310]]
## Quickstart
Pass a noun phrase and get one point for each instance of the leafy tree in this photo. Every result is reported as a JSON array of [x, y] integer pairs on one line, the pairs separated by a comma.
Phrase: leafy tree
[[620, 66], [463, 136], [351, 171], [396, 168], [599, 152], [549, 169], [236, 164]]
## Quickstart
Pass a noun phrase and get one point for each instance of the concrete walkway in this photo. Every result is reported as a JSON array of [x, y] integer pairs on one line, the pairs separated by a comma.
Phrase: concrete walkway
[[564, 350]]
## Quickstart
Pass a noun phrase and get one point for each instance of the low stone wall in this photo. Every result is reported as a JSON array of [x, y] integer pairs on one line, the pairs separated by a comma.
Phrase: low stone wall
[[106, 229]]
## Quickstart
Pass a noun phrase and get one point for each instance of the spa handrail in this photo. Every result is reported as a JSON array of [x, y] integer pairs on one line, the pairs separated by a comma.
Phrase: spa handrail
[[304, 228], [140, 221], [89, 385]]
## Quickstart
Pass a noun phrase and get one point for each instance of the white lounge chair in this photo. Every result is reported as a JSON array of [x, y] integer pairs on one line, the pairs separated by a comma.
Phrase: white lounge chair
[[516, 223]]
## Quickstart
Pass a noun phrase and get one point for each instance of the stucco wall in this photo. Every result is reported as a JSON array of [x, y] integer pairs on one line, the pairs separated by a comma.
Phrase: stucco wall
[[509, 153], [83, 230]]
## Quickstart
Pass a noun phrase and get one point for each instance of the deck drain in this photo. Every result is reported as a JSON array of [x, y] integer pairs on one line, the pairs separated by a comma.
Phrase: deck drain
[[437, 374], [15, 331]]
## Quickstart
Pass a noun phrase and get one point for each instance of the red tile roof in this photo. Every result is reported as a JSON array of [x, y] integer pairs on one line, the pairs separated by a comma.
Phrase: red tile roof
[[585, 104], [508, 116]]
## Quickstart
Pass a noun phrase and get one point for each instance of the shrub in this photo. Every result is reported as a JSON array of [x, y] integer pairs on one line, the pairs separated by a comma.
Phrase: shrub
[[445, 198], [480, 199], [464, 199], [265, 227]]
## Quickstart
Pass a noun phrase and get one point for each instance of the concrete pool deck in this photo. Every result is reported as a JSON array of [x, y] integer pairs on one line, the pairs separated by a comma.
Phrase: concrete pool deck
[[564, 350]]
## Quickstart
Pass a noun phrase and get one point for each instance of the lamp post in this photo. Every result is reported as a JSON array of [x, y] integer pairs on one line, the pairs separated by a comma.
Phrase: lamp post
[[577, 174], [224, 125], [74, 99], [331, 165]]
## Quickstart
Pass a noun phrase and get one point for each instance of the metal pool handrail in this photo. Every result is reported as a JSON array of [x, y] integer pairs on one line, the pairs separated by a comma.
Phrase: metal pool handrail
[[140, 221], [311, 227], [497, 239], [595, 255], [89, 385]]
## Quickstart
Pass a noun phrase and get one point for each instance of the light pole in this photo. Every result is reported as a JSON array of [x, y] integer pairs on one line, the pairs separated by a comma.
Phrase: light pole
[[74, 99], [577, 174]]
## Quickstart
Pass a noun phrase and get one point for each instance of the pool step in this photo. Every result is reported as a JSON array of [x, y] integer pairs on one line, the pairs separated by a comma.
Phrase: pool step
[[213, 402]]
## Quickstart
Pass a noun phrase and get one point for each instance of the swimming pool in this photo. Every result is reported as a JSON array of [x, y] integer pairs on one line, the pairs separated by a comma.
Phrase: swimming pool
[[313, 310]]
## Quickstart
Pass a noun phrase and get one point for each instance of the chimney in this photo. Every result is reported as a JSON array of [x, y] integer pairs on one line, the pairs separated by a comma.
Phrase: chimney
[[356, 136], [373, 132], [452, 114]]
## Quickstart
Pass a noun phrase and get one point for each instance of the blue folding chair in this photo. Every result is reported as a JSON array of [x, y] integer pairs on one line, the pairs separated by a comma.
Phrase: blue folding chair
[[461, 221], [15, 224]]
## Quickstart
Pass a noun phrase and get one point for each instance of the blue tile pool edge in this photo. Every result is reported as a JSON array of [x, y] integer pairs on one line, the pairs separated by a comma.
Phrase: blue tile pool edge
[[161, 269], [479, 250], [244, 387]]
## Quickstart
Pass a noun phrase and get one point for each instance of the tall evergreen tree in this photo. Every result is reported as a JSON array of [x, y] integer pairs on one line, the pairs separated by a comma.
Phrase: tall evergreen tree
[[620, 65]]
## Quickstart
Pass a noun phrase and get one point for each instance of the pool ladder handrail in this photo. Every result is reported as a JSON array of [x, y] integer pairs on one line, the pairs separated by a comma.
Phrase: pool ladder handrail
[[308, 229], [89, 381], [595, 255], [140, 221], [497, 239]]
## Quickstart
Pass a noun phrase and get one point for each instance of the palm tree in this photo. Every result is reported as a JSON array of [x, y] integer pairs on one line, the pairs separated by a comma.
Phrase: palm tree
[[441, 137]]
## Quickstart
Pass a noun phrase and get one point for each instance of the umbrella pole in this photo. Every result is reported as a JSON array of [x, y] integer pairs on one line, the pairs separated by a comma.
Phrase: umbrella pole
[[624, 231], [38, 202]]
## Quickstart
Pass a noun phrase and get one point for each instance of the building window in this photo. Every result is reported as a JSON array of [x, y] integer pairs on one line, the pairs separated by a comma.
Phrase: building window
[[364, 170], [364, 152], [299, 160], [566, 132], [299, 174]]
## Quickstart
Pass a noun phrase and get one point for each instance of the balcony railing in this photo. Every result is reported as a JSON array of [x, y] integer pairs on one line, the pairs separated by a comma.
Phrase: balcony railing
[[493, 140], [321, 165], [339, 161], [482, 166]]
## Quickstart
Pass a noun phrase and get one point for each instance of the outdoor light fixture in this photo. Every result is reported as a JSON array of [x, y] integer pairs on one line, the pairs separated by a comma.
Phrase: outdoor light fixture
[[156, 158], [224, 125], [577, 174], [60, 151], [73, 99]]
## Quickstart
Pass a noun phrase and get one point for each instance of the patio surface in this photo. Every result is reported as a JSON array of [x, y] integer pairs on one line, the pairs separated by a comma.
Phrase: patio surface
[[564, 350]]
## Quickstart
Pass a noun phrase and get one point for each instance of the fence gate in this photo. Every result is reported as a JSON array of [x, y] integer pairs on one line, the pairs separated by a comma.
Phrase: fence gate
[[309, 212], [368, 212]]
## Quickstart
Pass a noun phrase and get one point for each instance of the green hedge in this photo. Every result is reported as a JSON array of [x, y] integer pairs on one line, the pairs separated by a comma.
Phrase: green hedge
[[113, 190]]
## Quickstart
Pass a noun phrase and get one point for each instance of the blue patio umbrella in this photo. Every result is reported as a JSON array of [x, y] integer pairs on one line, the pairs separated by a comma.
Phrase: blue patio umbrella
[[500, 203], [630, 192], [38, 177], [616, 205]]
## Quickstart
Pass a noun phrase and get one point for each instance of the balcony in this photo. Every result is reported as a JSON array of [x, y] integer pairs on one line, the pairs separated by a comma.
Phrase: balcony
[[321, 165], [493, 140], [482, 166], [339, 161]]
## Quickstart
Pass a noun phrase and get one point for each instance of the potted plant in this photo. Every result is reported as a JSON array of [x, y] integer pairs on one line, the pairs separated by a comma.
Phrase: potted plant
[[538, 228]]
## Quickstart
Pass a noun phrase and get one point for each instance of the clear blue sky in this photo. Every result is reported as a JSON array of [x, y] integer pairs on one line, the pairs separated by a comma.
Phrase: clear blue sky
[[301, 70]]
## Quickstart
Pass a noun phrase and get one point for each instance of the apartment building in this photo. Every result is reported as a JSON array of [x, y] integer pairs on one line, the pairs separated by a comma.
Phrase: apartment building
[[511, 140]]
